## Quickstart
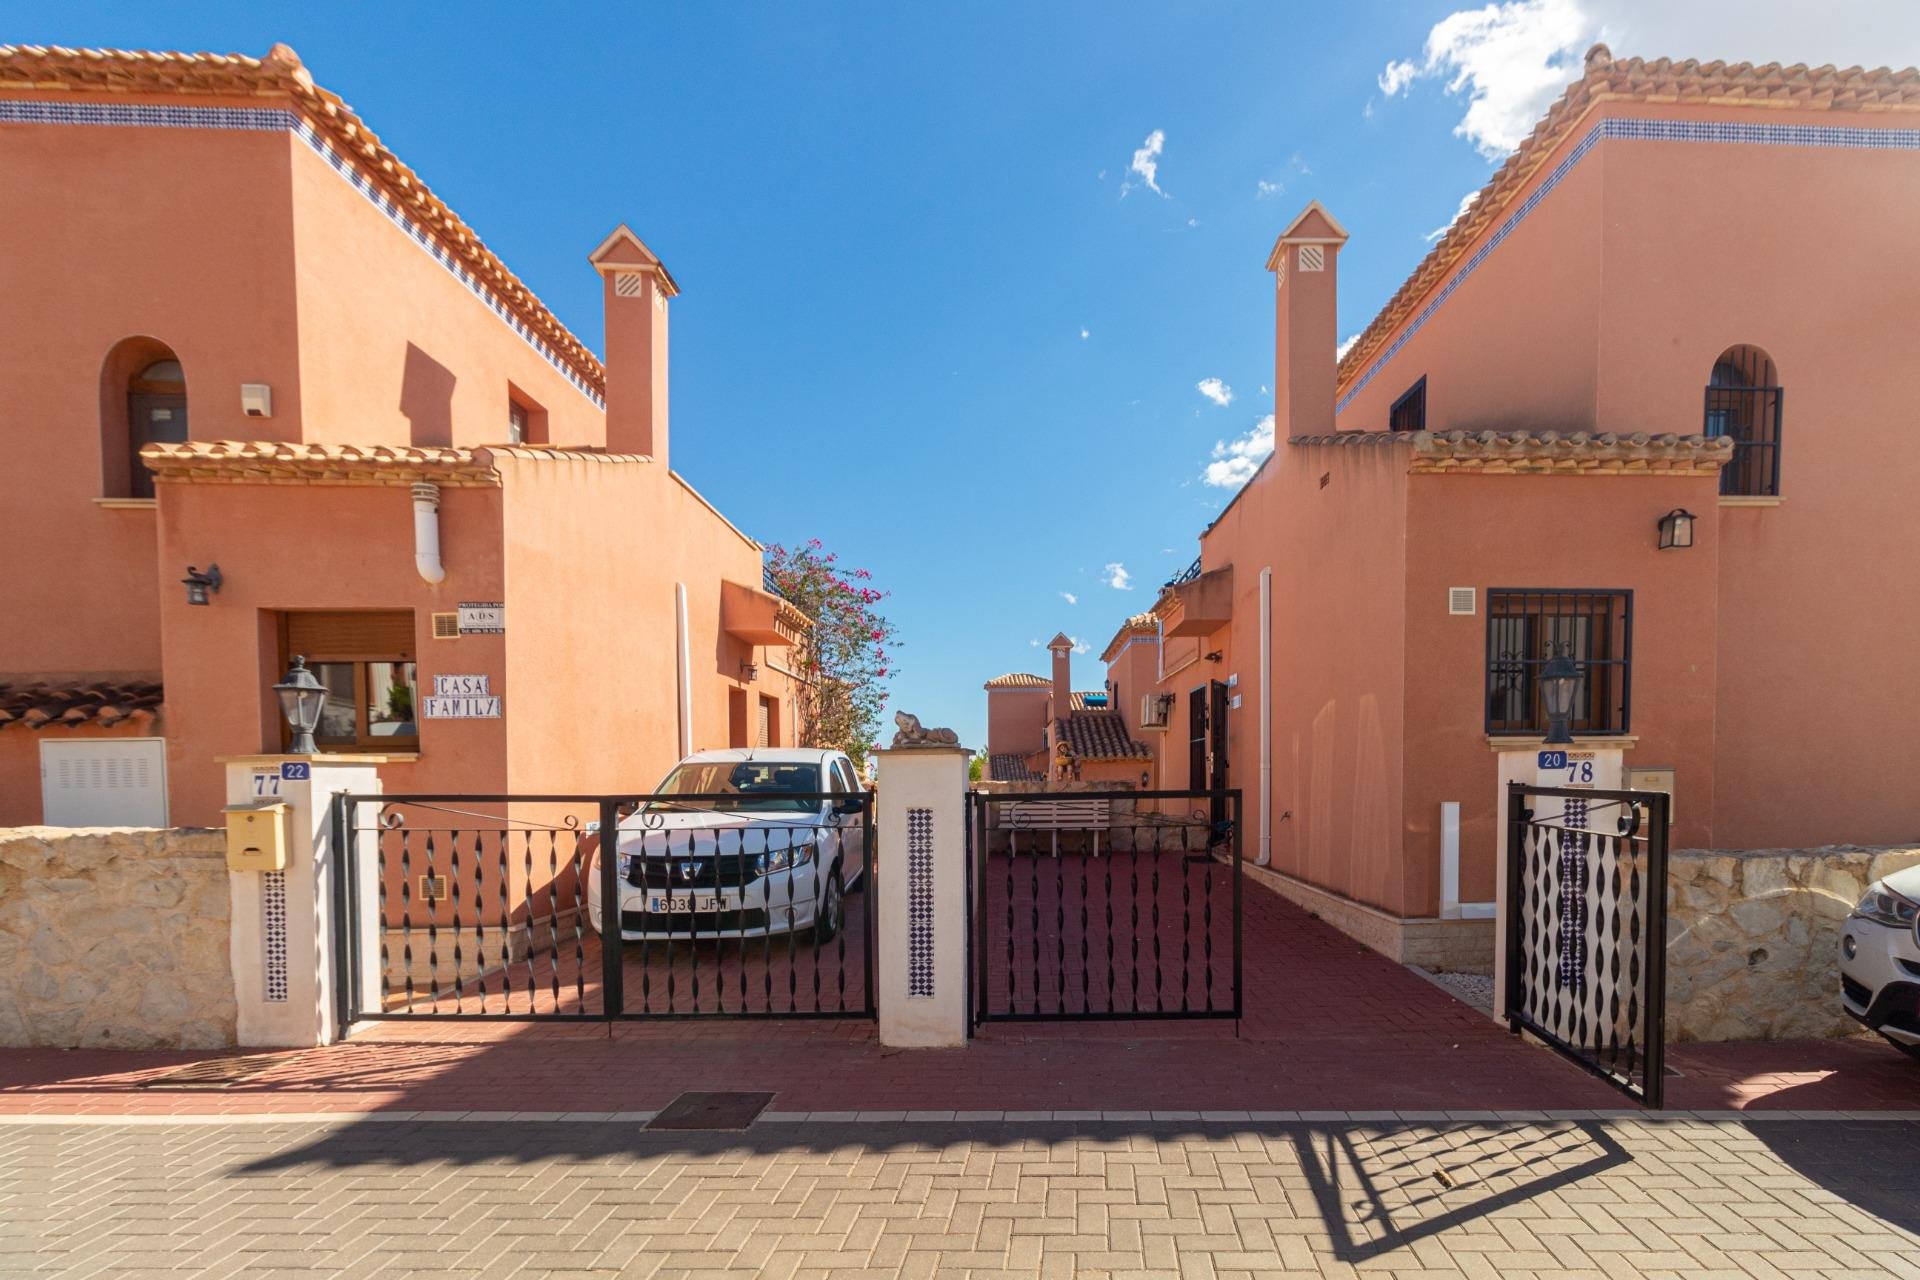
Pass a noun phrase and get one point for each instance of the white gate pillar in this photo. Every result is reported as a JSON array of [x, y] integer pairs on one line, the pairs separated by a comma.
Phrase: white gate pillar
[[920, 951], [284, 946]]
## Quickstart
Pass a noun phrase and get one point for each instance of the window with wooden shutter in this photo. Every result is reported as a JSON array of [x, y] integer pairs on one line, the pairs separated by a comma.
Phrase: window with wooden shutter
[[365, 658]]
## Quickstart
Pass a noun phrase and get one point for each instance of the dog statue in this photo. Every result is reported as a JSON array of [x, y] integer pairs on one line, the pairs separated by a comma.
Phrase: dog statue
[[913, 734]]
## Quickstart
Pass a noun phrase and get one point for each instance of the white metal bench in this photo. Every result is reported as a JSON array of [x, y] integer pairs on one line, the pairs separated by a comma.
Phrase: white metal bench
[[1053, 816]]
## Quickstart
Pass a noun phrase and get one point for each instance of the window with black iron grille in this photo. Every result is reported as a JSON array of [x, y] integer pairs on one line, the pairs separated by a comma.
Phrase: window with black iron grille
[[1409, 412], [1744, 402], [1526, 627]]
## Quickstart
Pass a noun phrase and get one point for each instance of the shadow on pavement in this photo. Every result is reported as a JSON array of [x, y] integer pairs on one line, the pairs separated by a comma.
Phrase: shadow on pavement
[[1873, 1166]]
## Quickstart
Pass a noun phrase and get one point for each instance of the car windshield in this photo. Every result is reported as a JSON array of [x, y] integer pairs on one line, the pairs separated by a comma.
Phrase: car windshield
[[759, 786]]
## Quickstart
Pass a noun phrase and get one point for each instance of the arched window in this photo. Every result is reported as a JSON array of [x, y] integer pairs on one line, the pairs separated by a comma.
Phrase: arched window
[[1744, 402], [143, 401]]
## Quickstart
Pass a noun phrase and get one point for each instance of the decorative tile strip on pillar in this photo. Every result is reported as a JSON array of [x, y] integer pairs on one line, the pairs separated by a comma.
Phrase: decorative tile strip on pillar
[[1573, 897], [273, 932], [920, 904]]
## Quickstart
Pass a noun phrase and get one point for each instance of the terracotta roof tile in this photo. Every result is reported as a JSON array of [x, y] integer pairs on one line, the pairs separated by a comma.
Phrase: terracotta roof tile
[[1139, 624], [1102, 735], [45, 68], [266, 461], [40, 704], [1585, 452], [1019, 680], [1659, 80], [1008, 768]]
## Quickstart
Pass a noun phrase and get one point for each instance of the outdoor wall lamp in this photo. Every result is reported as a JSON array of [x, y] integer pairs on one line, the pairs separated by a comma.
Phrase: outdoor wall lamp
[[302, 698], [749, 671], [1214, 656], [201, 587], [1557, 681], [1676, 529]]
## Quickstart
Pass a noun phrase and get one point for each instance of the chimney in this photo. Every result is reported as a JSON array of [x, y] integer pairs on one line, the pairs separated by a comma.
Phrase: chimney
[[1306, 333], [1061, 647], [634, 291]]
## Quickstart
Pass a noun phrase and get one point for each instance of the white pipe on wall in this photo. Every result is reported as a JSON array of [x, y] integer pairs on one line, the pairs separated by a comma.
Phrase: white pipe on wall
[[426, 533], [1266, 718], [1449, 859], [683, 668]]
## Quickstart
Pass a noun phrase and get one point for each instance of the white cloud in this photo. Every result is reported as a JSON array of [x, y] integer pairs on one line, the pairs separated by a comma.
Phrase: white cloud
[[1215, 390], [1511, 60], [1084, 335], [1466, 203], [1346, 345], [1193, 222], [1146, 164], [1397, 78], [1263, 189], [1235, 461], [1080, 646], [1299, 165], [1069, 597], [1118, 578]]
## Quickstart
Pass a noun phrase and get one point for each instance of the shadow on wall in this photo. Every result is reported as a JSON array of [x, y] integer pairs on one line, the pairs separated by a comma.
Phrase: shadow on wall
[[426, 398]]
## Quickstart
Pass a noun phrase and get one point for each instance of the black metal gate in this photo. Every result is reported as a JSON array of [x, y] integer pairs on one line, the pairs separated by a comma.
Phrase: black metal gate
[[1105, 905], [1586, 929], [503, 907]]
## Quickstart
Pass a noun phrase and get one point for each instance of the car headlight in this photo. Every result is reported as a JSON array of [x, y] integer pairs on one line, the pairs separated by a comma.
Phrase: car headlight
[[798, 855], [1883, 906]]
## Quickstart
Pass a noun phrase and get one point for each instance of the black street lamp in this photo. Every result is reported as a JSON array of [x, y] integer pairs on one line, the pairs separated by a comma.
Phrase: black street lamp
[[1676, 529], [202, 586], [1557, 681], [302, 699]]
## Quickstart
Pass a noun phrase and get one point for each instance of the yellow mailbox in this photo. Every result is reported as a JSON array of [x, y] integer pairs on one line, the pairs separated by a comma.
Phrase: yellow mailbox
[[256, 837]]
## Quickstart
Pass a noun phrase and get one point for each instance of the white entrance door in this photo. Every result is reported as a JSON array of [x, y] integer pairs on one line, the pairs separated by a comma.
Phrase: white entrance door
[[104, 782]]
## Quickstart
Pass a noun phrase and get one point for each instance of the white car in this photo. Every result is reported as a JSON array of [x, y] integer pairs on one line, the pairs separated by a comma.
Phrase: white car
[[1880, 960], [768, 842]]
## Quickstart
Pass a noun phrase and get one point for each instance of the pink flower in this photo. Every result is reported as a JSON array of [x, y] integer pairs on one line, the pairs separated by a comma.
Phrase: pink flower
[[878, 635]]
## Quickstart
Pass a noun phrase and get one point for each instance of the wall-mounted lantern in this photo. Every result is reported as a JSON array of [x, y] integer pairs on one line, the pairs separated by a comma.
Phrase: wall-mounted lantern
[[202, 587], [302, 699], [749, 671], [1557, 681], [1676, 529]]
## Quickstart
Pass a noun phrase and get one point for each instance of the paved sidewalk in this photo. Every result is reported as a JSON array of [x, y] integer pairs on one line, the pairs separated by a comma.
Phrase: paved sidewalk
[[365, 1198]]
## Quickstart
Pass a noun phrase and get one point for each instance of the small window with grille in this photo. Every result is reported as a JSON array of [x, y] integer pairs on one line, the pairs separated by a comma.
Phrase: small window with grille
[[1409, 412], [1744, 403], [1525, 628]]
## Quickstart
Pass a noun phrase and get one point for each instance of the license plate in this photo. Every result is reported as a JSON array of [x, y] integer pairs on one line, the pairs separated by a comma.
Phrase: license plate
[[683, 903]]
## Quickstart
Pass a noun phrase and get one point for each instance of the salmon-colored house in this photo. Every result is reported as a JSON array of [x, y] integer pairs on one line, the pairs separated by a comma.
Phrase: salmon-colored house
[[1691, 290], [242, 333], [1041, 730]]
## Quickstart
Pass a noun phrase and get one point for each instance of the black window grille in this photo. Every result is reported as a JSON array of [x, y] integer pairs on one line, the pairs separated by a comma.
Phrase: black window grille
[[1409, 412], [1526, 627], [1744, 401]]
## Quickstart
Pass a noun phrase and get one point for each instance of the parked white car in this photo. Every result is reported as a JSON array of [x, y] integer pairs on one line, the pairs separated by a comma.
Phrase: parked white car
[[769, 842], [1880, 960]]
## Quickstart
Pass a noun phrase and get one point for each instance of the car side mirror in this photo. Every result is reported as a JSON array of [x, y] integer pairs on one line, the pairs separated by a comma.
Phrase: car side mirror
[[852, 804]]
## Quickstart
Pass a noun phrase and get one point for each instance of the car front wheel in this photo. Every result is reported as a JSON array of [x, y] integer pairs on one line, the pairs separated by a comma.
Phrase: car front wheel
[[833, 909]]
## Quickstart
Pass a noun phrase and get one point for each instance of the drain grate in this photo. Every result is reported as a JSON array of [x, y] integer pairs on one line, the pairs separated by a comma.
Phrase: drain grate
[[215, 1073], [711, 1111]]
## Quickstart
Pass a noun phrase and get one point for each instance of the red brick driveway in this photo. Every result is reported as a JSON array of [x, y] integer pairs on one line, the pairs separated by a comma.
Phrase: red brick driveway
[[1328, 1026]]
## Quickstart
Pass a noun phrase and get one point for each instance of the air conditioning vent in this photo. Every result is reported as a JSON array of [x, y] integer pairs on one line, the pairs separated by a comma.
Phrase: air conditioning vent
[[1155, 711], [446, 626], [1460, 601]]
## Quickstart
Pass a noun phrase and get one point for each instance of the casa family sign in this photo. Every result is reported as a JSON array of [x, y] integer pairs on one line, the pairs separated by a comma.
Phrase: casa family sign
[[461, 698]]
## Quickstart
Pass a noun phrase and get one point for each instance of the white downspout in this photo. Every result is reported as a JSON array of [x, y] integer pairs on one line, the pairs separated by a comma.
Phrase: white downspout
[[683, 669], [426, 533], [1266, 718]]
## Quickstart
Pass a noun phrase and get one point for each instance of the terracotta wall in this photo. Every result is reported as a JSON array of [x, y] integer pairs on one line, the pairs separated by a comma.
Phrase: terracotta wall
[[291, 547], [1017, 720], [1807, 253], [393, 348], [592, 553], [176, 234], [1575, 532]]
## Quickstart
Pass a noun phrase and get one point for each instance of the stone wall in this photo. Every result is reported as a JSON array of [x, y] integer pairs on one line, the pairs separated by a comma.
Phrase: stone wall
[[114, 937], [1753, 938]]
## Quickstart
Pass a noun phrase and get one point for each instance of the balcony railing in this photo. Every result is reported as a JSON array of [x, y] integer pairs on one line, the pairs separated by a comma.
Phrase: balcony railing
[[1751, 417]]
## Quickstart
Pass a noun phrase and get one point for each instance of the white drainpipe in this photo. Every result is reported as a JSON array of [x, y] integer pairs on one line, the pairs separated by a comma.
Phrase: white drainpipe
[[426, 533], [1266, 718], [684, 669]]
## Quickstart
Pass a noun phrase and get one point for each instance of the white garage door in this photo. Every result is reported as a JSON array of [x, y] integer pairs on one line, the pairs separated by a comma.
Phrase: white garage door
[[106, 782]]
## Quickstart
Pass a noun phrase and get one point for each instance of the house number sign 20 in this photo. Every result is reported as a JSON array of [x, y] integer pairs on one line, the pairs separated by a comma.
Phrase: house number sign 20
[[1576, 765]]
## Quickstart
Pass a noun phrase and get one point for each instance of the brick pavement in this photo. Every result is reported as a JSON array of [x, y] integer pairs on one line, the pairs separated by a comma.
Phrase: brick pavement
[[1741, 1200]]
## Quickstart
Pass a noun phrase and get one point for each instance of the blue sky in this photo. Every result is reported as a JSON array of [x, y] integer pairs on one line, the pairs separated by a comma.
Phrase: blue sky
[[933, 313]]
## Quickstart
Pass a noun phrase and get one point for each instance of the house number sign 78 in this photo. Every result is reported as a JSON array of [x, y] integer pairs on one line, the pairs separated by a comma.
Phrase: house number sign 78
[[1576, 765]]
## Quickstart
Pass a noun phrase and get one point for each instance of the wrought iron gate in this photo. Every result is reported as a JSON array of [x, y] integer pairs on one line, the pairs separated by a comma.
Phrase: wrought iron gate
[[503, 908], [1105, 905], [1586, 929]]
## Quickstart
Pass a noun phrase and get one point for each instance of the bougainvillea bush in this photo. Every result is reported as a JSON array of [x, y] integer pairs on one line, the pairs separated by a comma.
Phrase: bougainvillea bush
[[846, 658]]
